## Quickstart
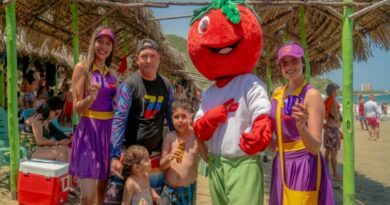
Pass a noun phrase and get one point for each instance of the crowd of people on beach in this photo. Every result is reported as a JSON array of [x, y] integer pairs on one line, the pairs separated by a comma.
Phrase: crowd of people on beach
[[369, 114]]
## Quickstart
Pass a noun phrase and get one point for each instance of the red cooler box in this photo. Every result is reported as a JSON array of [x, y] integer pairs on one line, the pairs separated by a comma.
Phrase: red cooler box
[[43, 182]]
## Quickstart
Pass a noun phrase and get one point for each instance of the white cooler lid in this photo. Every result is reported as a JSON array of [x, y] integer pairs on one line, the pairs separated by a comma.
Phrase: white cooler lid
[[44, 167]]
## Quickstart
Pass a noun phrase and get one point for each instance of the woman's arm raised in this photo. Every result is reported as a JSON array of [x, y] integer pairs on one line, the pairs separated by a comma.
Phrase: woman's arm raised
[[309, 118], [79, 82]]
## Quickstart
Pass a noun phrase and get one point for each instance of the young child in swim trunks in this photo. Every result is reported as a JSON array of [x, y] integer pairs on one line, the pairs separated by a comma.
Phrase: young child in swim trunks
[[180, 157]]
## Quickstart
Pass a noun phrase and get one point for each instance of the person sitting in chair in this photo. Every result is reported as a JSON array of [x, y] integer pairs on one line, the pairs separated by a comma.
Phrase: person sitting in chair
[[38, 140]]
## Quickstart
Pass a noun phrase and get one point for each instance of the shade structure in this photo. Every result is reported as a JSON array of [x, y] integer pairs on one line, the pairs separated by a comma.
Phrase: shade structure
[[46, 25], [324, 30]]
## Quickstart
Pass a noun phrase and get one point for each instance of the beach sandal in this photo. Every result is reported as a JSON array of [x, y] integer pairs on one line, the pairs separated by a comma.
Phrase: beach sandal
[[372, 139], [379, 140]]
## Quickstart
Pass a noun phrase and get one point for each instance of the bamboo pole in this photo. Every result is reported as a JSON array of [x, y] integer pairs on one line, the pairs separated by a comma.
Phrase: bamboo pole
[[348, 124], [302, 25], [106, 22], [12, 76], [75, 28], [268, 70]]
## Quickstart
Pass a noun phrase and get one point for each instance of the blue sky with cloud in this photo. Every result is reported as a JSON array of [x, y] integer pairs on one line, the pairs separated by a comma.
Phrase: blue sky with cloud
[[375, 71]]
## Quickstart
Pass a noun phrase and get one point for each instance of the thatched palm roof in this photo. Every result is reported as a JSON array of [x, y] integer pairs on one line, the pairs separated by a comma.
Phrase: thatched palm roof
[[60, 55], [47, 25], [324, 33], [52, 20]]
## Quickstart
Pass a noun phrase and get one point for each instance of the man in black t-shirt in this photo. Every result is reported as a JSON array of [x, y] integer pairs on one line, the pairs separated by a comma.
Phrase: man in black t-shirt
[[143, 102]]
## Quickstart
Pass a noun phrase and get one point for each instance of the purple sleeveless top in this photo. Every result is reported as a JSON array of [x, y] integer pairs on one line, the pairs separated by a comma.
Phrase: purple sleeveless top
[[289, 130], [106, 93]]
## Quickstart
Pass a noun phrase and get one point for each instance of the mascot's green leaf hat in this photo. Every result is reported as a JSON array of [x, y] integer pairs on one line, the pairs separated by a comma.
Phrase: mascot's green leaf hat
[[228, 7]]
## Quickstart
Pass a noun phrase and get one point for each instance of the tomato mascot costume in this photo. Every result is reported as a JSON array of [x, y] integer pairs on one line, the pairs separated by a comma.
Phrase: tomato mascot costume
[[224, 44]]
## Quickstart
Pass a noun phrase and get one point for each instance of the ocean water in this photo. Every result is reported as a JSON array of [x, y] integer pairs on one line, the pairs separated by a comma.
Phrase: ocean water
[[378, 98]]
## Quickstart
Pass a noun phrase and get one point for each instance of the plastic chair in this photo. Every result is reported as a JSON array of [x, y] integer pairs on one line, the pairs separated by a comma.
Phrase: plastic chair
[[4, 140], [24, 115], [27, 113]]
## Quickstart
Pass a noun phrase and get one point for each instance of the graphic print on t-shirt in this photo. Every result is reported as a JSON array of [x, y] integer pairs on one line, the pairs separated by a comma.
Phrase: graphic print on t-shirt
[[154, 105]]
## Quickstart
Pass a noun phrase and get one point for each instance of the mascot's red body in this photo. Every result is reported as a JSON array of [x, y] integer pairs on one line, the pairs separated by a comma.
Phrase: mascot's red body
[[224, 43]]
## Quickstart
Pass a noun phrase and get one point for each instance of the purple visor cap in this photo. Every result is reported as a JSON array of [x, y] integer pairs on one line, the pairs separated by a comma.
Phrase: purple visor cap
[[290, 50], [107, 32]]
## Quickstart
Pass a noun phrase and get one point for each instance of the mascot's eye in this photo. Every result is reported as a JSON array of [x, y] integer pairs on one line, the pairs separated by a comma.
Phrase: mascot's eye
[[203, 25]]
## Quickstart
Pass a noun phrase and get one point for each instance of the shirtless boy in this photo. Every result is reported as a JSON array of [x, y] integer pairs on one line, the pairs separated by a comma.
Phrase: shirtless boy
[[180, 157]]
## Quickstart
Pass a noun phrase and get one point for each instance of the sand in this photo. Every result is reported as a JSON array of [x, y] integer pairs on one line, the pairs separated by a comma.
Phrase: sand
[[372, 173]]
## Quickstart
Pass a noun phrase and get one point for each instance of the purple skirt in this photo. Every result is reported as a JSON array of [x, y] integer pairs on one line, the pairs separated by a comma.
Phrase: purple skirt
[[301, 175], [91, 149]]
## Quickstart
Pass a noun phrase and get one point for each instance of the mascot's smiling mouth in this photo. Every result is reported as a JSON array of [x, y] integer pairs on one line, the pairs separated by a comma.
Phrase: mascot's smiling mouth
[[226, 49]]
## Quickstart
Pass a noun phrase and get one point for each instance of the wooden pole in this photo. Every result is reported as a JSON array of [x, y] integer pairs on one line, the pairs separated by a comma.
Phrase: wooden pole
[[268, 70], [285, 40], [302, 25], [75, 28], [165, 4], [348, 124], [368, 9], [170, 17], [12, 76]]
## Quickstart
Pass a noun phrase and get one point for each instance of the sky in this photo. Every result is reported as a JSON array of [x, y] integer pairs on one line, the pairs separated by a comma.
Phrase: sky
[[375, 71]]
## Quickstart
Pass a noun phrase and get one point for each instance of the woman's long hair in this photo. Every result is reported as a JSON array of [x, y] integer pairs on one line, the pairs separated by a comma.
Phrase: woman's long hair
[[54, 103], [44, 111], [91, 49]]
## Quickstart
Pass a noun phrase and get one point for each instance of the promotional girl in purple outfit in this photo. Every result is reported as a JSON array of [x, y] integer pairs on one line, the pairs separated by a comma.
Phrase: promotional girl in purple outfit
[[94, 87], [299, 173]]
